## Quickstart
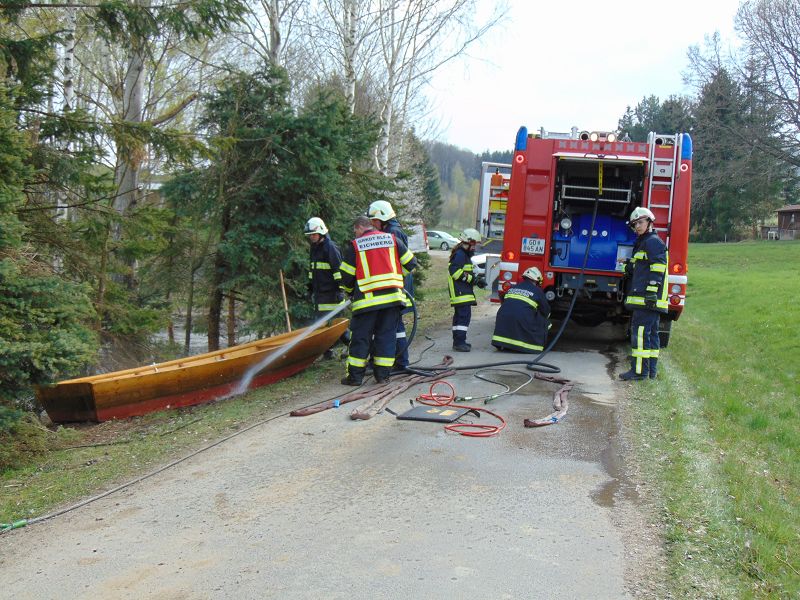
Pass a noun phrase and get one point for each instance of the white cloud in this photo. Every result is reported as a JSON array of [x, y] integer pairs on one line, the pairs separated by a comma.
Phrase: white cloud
[[573, 62]]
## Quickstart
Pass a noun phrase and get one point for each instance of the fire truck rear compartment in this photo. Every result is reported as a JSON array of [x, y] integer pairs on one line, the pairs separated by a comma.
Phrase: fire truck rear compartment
[[617, 189]]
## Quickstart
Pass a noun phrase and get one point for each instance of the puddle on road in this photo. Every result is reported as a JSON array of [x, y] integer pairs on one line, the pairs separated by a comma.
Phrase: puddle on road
[[589, 432]]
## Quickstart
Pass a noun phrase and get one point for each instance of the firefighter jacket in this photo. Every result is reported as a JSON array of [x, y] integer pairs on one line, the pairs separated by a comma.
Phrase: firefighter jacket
[[461, 277], [372, 270], [324, 275], [393, 226], [647, 272], [522, 319]]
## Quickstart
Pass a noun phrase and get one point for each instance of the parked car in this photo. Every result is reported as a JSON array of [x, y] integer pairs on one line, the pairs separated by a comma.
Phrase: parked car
[[441, 240]]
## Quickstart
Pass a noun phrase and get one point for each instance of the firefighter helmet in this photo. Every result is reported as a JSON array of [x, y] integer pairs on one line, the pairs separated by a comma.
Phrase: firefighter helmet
[[315, 225], [381, 210], [470, 235], [640, 212], [534, 274]]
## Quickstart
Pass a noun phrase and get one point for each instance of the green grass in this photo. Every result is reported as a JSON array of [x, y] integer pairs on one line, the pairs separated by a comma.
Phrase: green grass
[[721, 429], [118, 451]]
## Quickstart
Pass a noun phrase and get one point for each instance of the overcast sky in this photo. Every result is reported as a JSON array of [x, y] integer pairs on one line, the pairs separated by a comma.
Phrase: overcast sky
[[570, 62]]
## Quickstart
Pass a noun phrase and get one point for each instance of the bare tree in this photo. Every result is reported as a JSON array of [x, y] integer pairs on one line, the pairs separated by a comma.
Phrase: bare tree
[[771, 30], [416, 37]]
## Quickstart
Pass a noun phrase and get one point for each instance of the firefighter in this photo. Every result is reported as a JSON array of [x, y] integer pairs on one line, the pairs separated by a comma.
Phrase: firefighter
[[372, 273], [522, 320], [646, 297], [384, 219], [323, 272], [460, 284]]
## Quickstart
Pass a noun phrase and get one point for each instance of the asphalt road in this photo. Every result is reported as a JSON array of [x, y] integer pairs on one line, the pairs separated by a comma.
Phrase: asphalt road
[[326, 507]]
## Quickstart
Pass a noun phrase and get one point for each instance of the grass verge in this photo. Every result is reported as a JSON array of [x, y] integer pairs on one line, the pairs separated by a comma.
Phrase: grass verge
[[720, 430]]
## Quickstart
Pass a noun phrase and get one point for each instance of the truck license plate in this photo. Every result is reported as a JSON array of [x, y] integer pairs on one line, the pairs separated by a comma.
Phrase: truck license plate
[[532, 245]]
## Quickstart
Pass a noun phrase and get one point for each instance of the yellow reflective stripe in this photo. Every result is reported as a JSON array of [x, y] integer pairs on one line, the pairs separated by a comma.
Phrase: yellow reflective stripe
[[349, 290], [380, 282], [321, 265], [505, 340], [641, 255], [337, 275], [457, 275], [327, 307], [406, 258], [347, 268], [462, 299], [356, 362], [310, 275], [637, 300], [383, 361], [533, 303], [364, 263], [658, 268], [654, 353], [371, 300]]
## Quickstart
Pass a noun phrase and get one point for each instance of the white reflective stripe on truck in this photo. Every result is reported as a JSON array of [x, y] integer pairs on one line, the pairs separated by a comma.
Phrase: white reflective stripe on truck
[[509, 266]]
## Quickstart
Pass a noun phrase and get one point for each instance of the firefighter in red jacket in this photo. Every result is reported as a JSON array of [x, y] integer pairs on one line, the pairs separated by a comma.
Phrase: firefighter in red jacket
[[646, 297], [372, 273]]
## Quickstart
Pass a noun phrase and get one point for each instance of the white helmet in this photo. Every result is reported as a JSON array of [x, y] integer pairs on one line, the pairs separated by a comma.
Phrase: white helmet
[[640, 212], [534, 274], [315, 225], [381, 210], [470, 235]]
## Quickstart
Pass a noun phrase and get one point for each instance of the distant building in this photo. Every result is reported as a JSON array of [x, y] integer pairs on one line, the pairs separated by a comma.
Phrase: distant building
[[789, 222]]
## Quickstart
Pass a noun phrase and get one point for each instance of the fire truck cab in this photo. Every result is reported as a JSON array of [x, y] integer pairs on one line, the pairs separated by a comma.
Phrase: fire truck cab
[[560, 184]]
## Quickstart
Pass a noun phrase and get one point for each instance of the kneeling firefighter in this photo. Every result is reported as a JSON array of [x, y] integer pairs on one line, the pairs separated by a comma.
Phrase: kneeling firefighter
[[372, 272], [646, 296], [522, 320]]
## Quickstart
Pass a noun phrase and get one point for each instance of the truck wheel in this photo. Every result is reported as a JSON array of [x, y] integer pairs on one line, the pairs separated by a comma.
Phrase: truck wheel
[[664, 328]]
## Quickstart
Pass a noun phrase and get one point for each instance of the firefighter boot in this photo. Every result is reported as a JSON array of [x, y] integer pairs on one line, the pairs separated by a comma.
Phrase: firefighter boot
[[632, 375], [653, 368], [381, 374]]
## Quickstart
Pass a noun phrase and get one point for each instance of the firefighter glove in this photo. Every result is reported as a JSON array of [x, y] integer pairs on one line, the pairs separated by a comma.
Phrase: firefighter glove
[[628, 268], [481, 283], [650, 299]]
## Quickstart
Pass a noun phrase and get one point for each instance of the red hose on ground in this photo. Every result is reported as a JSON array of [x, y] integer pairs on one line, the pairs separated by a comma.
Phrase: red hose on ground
[[465, 429]]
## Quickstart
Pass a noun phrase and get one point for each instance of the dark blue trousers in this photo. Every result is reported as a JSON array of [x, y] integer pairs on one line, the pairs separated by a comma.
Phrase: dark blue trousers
[[462, 315], [644, 339], [375, 329]]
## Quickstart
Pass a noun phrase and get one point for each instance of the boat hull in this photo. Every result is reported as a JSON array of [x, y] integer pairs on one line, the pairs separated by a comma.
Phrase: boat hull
[[186, 382]]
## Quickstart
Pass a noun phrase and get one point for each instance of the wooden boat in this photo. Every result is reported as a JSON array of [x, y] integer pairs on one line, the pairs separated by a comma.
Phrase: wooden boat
[[185, 381]]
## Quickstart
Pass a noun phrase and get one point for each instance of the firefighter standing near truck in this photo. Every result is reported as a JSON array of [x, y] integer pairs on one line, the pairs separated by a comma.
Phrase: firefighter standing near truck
[[372, 272], [646, 297], [384, 219], [522, 320], [460, 284]]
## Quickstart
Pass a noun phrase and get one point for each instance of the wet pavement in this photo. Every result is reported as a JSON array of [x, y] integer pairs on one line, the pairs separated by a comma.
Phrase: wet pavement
[[326, 507]]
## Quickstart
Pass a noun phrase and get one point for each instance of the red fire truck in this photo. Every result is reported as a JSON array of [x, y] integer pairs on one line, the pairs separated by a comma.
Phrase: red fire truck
[[562, 183]]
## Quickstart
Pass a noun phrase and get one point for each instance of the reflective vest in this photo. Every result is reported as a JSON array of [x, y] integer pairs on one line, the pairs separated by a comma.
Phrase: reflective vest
[[372, 270]]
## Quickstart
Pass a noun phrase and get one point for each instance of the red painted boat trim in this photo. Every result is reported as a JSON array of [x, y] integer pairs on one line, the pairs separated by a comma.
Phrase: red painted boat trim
[[197, 396]]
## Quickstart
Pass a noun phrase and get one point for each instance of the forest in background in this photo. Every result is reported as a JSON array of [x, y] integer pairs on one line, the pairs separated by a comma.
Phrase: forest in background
[[159, 159]]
